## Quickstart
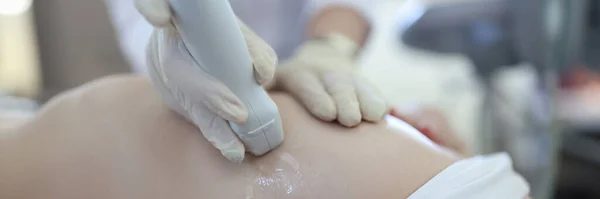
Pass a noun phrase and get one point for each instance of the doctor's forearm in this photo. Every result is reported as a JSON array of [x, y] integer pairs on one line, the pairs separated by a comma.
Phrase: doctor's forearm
[[341, 20]]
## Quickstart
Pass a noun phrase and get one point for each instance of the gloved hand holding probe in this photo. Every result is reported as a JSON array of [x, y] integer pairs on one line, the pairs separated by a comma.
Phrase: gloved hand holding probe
[[192, 92]]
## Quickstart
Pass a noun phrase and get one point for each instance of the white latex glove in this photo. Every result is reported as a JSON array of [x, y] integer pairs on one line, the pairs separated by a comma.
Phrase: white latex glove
[[324, 76], [201, 98]]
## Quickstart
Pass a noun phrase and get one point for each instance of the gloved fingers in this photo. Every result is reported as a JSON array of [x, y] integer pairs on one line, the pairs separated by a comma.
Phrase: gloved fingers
[[372, 104], [218, 132], [193, 86], [307, 88], [341, 88], [157, 12], [263, 56]]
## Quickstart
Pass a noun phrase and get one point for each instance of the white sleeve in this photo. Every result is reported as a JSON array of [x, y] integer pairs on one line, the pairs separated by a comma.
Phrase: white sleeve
[[365, 7], [132, 32]]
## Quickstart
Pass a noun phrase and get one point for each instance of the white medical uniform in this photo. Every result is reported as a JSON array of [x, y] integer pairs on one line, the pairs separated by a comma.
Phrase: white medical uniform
[[279, 22]]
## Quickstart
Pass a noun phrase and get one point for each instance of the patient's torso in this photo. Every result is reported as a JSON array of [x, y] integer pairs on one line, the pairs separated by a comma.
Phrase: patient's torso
[[167, 158]]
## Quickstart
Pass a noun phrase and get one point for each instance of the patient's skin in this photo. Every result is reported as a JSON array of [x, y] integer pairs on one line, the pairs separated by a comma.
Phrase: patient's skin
[[113, 138]]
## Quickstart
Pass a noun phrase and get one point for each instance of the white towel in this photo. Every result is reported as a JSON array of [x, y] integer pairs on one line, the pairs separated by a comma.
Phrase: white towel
[[481, 177]]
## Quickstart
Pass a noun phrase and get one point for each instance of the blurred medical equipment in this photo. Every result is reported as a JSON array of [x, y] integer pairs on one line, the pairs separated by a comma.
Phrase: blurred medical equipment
[[211, 33], [495, 35], [580, 113]]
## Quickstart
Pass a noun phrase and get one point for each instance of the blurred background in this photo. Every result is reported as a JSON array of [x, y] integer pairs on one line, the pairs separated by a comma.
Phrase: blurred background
[[511, 75]]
